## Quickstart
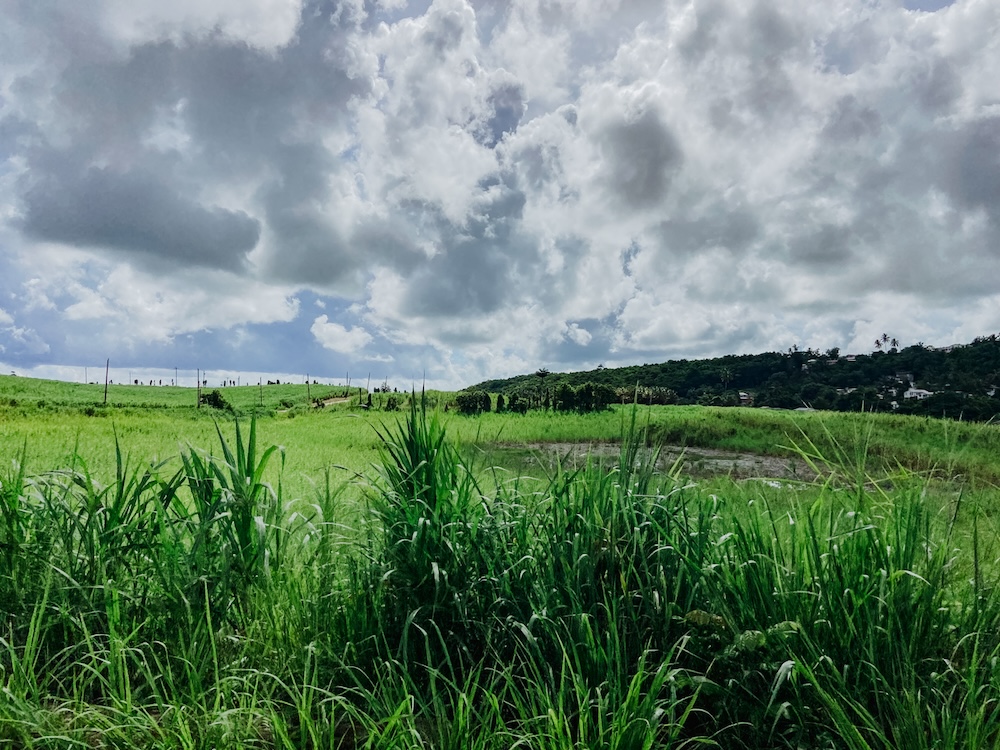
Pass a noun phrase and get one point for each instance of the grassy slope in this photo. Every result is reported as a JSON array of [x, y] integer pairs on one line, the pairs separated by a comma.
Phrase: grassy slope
[[55, 422], [55, 394]]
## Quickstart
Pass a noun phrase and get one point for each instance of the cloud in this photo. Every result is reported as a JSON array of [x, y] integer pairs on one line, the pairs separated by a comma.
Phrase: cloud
[[139, 215], [268, 24], [481, 189], [22, 342], [337, 338], [579, 336], [641, 156], [972, 178]]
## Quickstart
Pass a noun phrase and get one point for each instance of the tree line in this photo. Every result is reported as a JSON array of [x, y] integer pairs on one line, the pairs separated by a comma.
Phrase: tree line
[[960, 381], [584, 398]]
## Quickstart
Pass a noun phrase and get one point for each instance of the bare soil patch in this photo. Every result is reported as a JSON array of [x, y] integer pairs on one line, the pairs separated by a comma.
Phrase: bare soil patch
[[695, 462]]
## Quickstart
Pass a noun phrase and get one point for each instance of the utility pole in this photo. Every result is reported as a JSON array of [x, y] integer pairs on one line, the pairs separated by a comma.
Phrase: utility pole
[[308, 392], [107, 369], [198, 375]]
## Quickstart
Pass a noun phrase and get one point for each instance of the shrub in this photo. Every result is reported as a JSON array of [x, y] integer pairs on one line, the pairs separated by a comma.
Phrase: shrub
[[565, 397], [473, 402], [216, 400], [517, 404]]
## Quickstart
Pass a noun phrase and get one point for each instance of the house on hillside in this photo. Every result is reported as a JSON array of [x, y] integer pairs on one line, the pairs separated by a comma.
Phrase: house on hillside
[[918, 393]]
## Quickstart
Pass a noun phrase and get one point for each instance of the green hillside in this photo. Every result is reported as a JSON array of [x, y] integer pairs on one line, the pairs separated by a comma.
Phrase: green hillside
[[959, 381]]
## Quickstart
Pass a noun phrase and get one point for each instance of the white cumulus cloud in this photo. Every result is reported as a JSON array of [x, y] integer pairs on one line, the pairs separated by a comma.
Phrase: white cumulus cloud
[[337, 338]]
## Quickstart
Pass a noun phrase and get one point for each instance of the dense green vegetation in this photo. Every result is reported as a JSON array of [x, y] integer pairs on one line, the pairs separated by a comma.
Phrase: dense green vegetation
[[178, 582], [611, 605], [963, 380]]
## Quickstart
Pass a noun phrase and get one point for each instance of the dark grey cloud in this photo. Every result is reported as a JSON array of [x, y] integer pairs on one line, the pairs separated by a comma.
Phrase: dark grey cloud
[[481, 266], [136, 213], [539, 164], [224, 111], [496, 215], [394, 243], [703, 37], [444, 33], [110, 101], [733, 228], [851, 120], [642, 157], [468, 278], [243, 103], [308, 248], [771, 33], [828, 245], [769, 94], [938, 86], [972, 173]]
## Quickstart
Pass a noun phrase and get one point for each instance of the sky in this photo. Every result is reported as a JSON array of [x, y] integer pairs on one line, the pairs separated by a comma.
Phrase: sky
[[444, 192]]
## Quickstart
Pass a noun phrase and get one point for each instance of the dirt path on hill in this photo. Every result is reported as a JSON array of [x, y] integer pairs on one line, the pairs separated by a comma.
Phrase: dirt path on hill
[[337, 400]]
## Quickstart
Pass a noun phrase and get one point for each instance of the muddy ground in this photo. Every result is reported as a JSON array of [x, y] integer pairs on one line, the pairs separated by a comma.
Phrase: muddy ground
[[695, 462]]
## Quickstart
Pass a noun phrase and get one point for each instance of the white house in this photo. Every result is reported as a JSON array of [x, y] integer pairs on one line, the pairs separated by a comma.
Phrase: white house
[[917, 393]]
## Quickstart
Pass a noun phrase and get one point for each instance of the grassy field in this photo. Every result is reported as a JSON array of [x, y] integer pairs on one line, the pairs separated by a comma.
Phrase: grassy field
[[58, 419], [456, 595]]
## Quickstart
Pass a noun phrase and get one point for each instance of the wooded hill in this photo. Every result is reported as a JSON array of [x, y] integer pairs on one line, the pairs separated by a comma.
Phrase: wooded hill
[[958, 381]]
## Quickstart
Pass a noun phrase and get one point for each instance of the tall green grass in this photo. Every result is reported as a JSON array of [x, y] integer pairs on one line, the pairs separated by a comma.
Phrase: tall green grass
[[606, 605]]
